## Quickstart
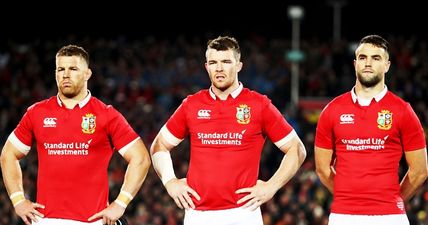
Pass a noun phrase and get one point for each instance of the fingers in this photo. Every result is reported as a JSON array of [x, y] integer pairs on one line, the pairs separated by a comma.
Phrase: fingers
[[37, 205], [178, 203], [243, 190], [24, 218], [95, 216], [181, 193], [193, 192], [245, 198], [184, 202], [105, 218]]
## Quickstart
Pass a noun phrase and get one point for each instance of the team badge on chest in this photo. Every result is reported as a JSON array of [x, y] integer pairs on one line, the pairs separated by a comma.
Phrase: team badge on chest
[[88, 123], [243, 114], [384, 120]]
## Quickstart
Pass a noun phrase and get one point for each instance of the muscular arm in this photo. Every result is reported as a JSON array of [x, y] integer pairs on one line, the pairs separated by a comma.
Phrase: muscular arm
[[12, 176], [162, 163], [12, 173], [324, 170], [138, 166], [160, 145], [416, 174], [295, 154], [262, 192]]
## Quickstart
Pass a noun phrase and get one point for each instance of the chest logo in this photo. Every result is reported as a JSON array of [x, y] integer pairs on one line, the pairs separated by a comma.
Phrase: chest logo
[[49, 122], [384, 119], [243, 114], [347, 119], [88, 123]]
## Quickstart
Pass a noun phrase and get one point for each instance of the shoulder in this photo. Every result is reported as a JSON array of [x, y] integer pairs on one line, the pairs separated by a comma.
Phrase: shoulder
[[392, 98], [196, 97], [46, 103], [100, 105], [254, 95], [339, 101]]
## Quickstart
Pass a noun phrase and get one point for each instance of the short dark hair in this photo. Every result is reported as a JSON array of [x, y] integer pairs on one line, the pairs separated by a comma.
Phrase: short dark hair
[[74, 50], [377, 41], [223, 43]]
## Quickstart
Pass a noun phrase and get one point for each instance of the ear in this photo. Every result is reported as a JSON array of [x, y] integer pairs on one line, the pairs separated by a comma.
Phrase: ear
[[387, 66], [88, 74], [239, 66]]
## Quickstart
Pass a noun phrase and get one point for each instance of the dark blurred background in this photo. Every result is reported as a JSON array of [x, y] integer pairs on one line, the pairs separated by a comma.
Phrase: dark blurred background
[[148, 56]]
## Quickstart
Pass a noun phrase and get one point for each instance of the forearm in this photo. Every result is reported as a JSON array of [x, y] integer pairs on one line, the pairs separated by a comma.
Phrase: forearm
[[290, 163], [410, 183], [135, 175], [327, 178], [161, 157], [11, 170], [136, 172]]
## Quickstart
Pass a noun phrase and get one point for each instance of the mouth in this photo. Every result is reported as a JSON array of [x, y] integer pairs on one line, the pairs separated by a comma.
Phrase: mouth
[[66, 84], [220, 77]]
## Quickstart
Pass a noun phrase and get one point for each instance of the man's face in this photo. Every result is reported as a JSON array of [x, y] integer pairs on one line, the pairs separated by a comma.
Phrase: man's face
[[222, 68], [71, 74], [371, 64]]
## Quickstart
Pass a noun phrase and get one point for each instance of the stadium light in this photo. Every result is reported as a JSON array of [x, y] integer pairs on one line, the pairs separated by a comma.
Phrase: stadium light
[[295, 13]]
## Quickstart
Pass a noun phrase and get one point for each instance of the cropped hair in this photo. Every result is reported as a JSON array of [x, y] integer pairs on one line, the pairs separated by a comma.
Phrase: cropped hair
[[377, 41], [74, 50], [224, 43]]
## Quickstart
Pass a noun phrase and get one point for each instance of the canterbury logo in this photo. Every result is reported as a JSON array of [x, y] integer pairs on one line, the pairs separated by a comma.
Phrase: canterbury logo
[[49, 122], [204, 114], [347, 118]]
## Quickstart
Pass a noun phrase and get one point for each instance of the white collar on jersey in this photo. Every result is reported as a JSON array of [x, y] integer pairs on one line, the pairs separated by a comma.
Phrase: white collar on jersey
[[366, 102], [81, 104], [234, 93]]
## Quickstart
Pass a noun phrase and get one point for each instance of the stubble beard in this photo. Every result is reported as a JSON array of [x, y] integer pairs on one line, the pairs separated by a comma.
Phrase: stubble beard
[[69, 92], [369, 81], [222, 86]]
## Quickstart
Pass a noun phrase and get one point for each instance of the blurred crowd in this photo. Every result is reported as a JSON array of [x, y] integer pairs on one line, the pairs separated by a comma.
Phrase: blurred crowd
[[146, 78]]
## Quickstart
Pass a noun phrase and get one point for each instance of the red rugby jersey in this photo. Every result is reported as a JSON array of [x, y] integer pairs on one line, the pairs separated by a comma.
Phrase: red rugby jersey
[[226, 139], [368, 143], [74, 147]]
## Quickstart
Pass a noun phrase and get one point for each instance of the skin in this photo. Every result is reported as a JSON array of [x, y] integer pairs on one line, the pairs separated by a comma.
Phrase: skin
[[370, 65], [223, 68], [72, 75]]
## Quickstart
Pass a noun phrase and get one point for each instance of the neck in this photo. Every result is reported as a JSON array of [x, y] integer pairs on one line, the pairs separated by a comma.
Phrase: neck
[[70, 103], [368, 92], [222, 95]]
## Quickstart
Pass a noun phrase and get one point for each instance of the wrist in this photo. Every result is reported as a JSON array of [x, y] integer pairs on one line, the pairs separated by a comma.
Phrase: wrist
[[17, 198], [124, 198]]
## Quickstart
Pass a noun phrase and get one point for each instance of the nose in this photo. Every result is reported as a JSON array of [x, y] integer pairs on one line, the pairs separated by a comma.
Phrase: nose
[[66, 74], [219, 67], [368, 62]]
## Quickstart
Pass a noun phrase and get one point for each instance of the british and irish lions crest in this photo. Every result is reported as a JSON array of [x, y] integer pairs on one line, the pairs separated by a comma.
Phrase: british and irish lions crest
[[243, 114], [384, 119], [88, 123]]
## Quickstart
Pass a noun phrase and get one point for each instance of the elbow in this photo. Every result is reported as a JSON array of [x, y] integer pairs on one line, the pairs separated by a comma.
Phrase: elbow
[[302, 153], [146, 162]]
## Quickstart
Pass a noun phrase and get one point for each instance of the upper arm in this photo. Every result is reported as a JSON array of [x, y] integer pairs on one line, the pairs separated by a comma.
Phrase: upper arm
[[323, 158], [296, 145], [294, 142], [417, 160], [161, 143], [10, 151], [137, 150]]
